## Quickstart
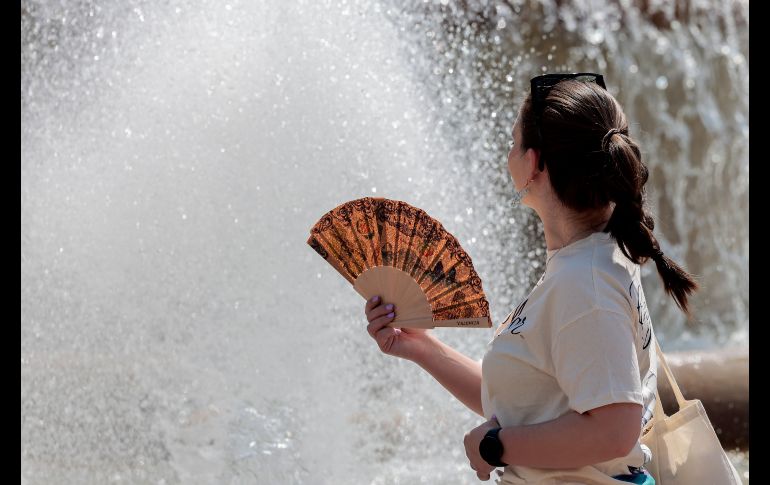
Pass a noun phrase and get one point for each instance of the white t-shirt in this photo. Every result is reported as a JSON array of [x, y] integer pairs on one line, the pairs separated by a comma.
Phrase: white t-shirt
[[581, 339]]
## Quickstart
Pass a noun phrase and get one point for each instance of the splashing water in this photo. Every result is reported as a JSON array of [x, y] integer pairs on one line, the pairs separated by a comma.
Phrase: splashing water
[[175, 326]]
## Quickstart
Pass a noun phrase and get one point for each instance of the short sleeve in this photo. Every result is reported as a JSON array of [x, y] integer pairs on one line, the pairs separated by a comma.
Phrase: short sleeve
[[595, 360]]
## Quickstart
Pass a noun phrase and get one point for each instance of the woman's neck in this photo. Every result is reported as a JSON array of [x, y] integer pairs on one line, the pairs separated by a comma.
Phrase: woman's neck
[[563, 227]]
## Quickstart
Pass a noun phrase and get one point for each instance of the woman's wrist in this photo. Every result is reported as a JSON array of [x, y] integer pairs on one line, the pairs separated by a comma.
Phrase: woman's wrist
[[428, 345], [509, 440]]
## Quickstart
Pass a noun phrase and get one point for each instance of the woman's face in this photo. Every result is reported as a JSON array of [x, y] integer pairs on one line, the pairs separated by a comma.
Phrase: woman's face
[[516, 161]]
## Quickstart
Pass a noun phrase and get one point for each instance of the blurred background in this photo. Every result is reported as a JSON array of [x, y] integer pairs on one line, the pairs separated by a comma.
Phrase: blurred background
[[176, 327]]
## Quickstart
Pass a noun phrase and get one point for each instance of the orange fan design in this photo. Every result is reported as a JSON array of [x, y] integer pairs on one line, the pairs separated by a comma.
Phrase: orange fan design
[[392, 249]]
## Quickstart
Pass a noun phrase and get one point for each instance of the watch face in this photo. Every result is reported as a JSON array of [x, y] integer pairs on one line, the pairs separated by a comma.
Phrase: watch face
[[491, 449]]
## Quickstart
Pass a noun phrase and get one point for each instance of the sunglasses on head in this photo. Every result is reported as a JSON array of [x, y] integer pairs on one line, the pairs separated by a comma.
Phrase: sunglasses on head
[[541, 85]]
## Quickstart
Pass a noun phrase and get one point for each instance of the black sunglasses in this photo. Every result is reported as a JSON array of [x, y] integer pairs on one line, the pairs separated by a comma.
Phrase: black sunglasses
[[541, 85]]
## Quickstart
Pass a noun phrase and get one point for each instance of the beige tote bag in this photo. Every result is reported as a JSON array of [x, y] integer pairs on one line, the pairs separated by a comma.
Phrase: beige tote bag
[[685, 448]]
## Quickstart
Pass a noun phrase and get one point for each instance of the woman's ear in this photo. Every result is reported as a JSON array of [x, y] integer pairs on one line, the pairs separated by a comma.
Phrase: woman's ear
[[532, 156]]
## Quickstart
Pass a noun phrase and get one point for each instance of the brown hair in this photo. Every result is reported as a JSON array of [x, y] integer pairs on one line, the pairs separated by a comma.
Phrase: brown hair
[[593, 162]]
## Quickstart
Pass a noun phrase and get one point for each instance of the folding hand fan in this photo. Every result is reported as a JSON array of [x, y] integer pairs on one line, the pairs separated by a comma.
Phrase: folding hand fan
[[392, 249]]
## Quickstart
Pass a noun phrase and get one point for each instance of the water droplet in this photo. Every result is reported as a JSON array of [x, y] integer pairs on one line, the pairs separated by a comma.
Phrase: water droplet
[[374, 190], [661, 83], [633, 68], [595, 37]]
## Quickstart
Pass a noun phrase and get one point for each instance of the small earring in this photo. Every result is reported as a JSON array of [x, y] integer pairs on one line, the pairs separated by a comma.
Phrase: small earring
[[518, 195]]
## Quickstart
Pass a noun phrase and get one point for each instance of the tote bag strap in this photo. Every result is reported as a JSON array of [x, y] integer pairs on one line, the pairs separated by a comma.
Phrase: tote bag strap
[[671, 380], [659, 414]]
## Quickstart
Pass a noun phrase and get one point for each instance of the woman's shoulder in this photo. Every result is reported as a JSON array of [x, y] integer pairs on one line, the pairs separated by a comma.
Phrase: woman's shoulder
[[597, 272]]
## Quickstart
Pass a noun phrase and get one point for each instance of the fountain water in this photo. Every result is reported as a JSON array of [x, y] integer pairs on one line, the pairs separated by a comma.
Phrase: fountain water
[[175, 326]]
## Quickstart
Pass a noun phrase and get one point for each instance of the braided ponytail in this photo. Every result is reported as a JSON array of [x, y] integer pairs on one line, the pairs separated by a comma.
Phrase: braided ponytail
[[631, 225]]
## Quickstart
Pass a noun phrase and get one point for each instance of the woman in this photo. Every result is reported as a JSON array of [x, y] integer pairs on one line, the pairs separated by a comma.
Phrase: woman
[[568, 380]]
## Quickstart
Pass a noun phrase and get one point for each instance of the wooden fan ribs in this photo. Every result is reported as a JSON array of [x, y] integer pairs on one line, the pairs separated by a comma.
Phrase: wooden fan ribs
[[361, 216], [347, 218], [425, 228], [433, 267], [337, 245], [330, 251], [384, 213], [411, 219], [450, 311], [397, 230], [349, 235], [376, 232]]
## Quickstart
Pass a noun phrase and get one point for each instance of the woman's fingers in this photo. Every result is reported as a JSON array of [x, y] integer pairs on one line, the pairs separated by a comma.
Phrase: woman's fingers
[[388, 343], [371, 303], [381, 311], [379, 316], [378, 330], [375, 310]]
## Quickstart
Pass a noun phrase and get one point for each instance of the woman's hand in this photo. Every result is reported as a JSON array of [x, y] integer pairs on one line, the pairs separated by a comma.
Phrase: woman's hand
[[472, 440], [407, 343]]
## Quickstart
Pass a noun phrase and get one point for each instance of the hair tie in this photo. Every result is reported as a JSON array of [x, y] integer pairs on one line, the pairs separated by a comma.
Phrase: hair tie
[[608, 137], [658, 254]]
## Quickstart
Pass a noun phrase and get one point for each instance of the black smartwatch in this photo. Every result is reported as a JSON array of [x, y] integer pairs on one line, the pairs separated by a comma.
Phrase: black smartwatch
[[491, 448]]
